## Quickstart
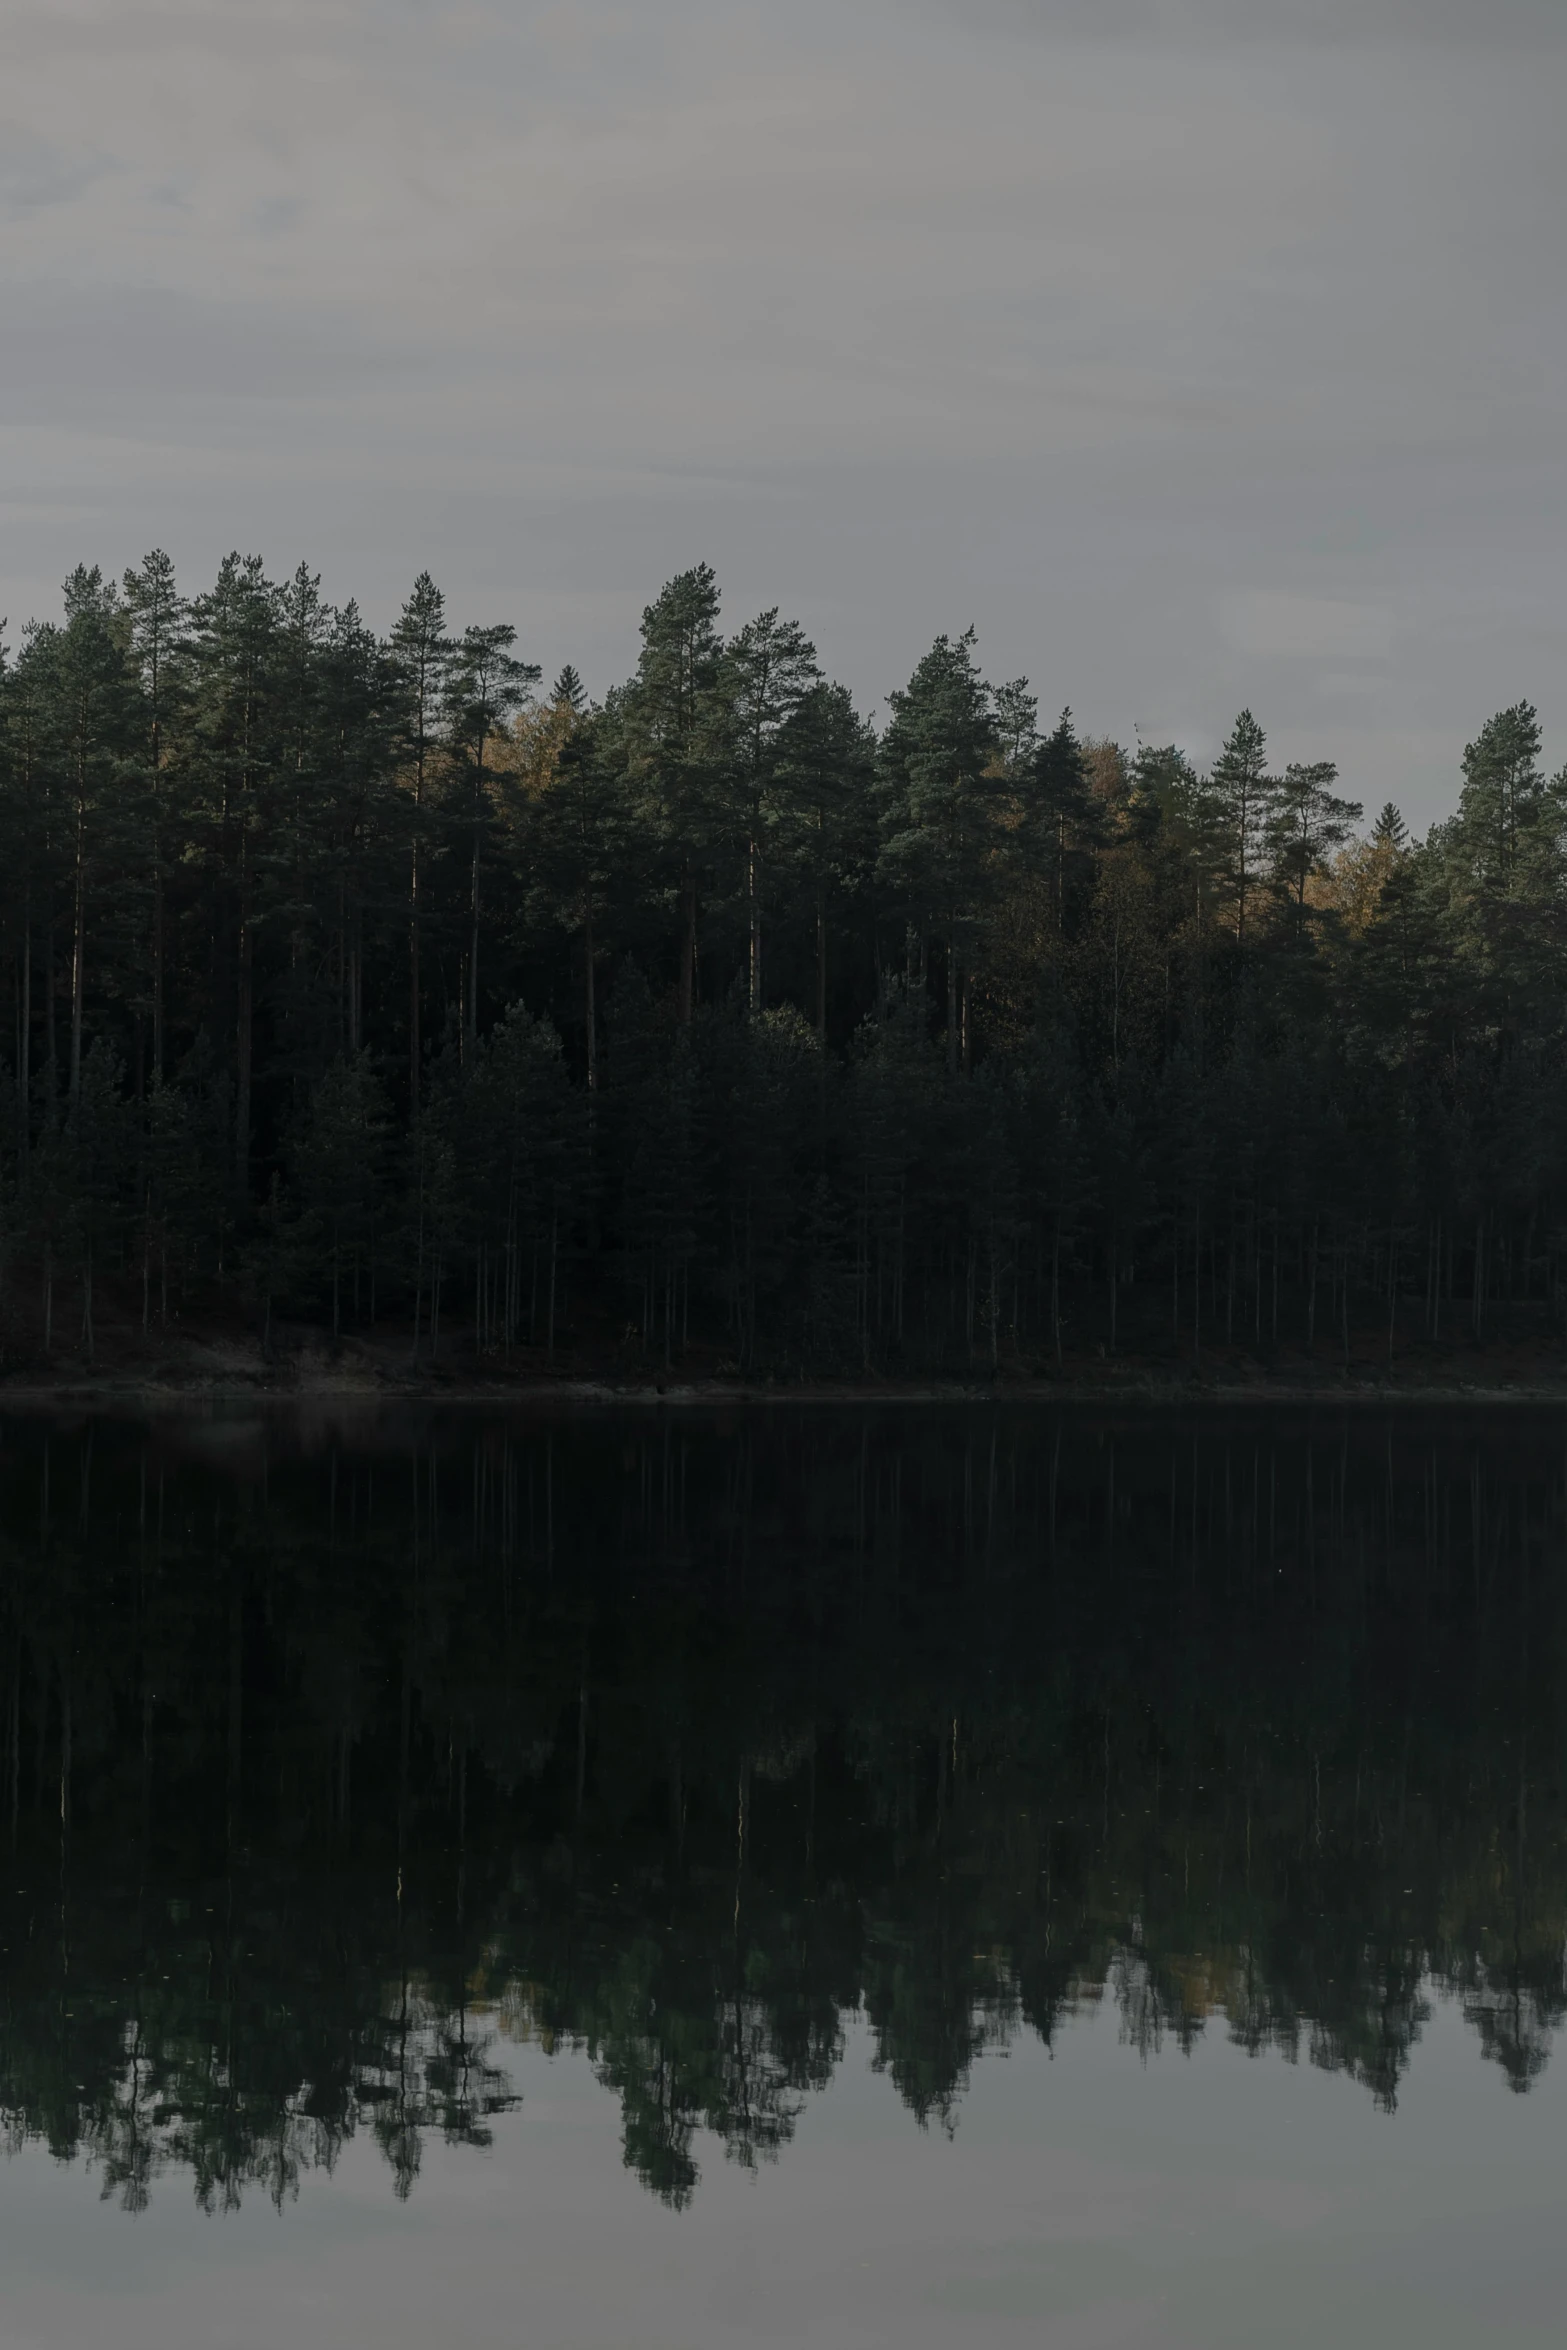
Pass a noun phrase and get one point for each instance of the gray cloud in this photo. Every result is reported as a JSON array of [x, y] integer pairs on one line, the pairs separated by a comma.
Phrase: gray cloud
[[34, 172], [1296, 23]]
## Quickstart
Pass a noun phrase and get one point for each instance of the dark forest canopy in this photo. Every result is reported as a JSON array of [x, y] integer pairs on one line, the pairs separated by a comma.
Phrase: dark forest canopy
[[365, 979], [334, 1765]]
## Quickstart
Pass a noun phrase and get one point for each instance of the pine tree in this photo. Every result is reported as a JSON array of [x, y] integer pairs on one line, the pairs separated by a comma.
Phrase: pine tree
[[421, 654], [485, 685], [942, 806], [234, 754], [768, 669], [1305, 825], [156, 616], [1503, 801], [582, 841], [825, 778], [672, 717], [1246, 794], [1064, 822], [94, 734]]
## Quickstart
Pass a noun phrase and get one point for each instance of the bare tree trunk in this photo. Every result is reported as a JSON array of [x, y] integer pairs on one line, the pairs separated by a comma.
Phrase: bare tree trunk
[[24, 1042], [51, 1053], [473, 893], [1175, 1280], [688, 949], [952, 1002], [242, 1053], [78, 952], [418, 1284], [995, 1308], [754, 996], [589, 1003], [1197, 1283], [471, 1023], [413, 976], [1055, 1287], [157, 959]]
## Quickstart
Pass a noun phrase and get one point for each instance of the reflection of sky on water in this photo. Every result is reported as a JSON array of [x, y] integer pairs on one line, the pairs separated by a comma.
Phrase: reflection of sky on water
[[1203, 2200]]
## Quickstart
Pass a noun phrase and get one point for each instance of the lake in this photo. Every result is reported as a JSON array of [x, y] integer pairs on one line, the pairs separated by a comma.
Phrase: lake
[[853, 1875]]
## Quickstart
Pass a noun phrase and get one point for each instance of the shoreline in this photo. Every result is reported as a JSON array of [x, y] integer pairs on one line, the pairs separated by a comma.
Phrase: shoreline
[[81, 1389]]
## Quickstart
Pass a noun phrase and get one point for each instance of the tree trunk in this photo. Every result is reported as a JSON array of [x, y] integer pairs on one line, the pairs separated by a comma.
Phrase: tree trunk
[[471, 1022], [413, 973], [1197, 1283], [413, 1352], [24, 1043], [589, 1001], [51, 1052], [1115, 1289], [554, 1257], [688, 948], [78, 953], [1055, 1287], [157, 960], [242, 1055], [952, 1002], [754, 909]]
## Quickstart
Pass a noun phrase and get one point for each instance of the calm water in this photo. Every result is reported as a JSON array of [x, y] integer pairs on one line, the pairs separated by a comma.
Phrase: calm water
[[833, 1876]]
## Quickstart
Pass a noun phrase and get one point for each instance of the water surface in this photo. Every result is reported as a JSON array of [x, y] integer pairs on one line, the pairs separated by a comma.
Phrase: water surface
[[856, 1876]]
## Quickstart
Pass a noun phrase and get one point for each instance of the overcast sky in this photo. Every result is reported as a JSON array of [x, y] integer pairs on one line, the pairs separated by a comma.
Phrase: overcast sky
[[1199, 352]]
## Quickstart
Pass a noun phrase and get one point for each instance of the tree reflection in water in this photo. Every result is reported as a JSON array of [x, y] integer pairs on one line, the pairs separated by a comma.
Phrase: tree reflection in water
[[338, 1756]]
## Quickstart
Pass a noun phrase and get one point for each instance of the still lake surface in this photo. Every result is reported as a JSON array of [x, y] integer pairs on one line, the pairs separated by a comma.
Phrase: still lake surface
[[853, 1876]]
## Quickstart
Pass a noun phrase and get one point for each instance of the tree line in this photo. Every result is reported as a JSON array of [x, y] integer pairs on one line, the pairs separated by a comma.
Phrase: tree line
[[365, 980], [333, 1769]]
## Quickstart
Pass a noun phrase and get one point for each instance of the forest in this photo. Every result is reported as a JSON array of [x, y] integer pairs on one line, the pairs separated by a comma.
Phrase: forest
[[367, 986]]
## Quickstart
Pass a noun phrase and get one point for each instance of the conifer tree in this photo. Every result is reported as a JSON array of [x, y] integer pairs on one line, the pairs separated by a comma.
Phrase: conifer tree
[[235, 757], [676, 740], [94, 736], [582, 841], [421, 654], [1305, 825], [485, 685], [156, 616], [1064, 821], [825, 779], [1245, 793], [942, 807], [768, 669]]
